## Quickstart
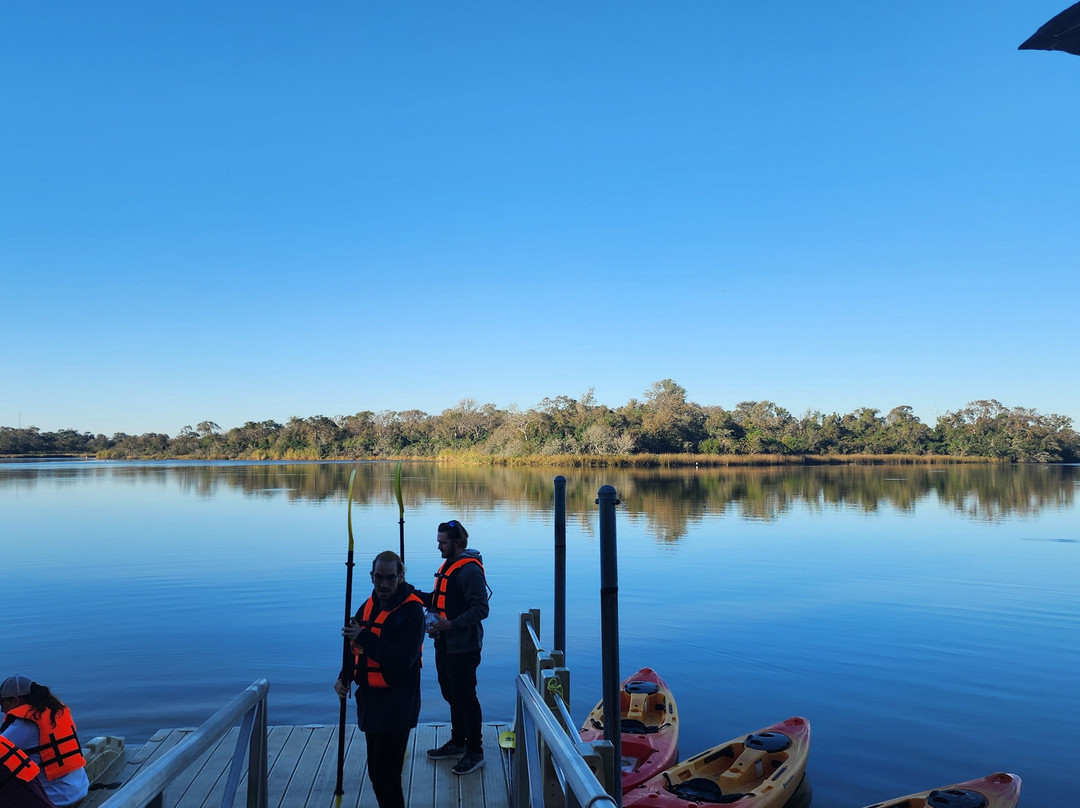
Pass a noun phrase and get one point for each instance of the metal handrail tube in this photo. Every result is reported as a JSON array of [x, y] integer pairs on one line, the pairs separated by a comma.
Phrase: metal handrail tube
[[252, 735], [583, 783], [148, 785], [564, 713], [532, 636], [532, 759]]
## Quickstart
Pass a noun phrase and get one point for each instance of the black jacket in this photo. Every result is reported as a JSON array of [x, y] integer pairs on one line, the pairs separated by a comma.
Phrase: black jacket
[[397, 650], [466, 606]]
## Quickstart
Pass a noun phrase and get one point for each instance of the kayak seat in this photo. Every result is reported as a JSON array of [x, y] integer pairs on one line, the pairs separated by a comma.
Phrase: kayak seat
[[749, 768], [637, 704], [701, 789], [955, 798], [648, 688], [768, 741], [726, 752], [636, 727]]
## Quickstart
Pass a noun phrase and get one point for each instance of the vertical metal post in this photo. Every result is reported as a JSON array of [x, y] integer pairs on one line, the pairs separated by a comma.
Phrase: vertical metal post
[[519, 763], [257, 768], [560, 563], [609, 625], [527, 651]]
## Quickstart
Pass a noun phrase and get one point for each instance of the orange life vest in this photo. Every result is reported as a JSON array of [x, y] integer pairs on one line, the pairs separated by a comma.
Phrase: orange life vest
[[442, 581], [58, 744], [15, 763], [365, 665]]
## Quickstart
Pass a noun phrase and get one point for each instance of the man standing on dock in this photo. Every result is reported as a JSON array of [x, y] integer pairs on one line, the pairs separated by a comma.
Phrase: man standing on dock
[[387, 637], [458, 603]]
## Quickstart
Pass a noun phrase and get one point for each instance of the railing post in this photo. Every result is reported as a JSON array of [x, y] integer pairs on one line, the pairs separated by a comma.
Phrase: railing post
[[257, 766], [609, 626], [540, 735], [560, 563], [556, 684], [553, 793], [526, 648], [519, 764], [599, 756]]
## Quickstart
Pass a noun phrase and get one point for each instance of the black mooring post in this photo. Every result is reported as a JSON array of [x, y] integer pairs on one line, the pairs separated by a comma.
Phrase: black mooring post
[[609, 623], [560, 564]]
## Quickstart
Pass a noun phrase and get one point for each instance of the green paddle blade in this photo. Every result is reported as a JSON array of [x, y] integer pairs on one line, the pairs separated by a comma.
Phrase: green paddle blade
[[352, 479], [397, 491]]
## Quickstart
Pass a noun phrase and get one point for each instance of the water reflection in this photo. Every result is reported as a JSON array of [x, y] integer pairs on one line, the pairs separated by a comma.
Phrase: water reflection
[[945, 616], [669, 500]]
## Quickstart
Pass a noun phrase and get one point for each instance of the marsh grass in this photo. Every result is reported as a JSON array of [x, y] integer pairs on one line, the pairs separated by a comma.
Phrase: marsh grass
[[703, 460]]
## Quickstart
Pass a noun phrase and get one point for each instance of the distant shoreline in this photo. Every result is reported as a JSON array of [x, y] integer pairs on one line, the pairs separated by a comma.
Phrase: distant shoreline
[[574, 461]]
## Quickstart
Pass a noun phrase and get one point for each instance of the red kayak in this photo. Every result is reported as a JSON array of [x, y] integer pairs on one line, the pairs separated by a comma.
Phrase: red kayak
[[649, 723], [759, 770], [998, 790]]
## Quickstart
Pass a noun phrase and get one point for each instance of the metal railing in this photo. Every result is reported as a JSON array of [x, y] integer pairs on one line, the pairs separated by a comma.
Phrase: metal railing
[[146, 789], [551, 767]]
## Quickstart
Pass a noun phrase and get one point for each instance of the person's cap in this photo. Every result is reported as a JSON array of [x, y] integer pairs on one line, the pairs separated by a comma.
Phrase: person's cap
[[15, 686]]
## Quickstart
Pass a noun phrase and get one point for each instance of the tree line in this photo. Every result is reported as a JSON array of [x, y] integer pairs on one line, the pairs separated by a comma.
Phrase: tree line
[[663, 423]]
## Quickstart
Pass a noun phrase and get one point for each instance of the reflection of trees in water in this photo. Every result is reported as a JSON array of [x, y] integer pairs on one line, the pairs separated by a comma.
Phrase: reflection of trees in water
[[667, 500]]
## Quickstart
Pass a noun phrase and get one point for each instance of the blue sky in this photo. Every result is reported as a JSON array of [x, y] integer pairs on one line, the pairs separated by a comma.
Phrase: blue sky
[[249, 211]]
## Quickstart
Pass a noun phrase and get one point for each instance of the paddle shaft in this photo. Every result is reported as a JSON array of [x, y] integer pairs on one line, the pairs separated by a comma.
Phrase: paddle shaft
[[401, 512], [346, 651]]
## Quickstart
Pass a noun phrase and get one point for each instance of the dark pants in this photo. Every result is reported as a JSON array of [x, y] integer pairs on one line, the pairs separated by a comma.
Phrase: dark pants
[[385, 757], [457, 681], [20, 794]]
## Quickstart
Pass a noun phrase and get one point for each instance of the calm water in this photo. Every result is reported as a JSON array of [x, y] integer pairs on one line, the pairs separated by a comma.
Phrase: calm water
[[924, 620]]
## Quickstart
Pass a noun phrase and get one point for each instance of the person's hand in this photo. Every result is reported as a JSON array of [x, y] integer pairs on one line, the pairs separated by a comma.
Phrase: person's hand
[[352, 631], [439, 624], [342, 689]]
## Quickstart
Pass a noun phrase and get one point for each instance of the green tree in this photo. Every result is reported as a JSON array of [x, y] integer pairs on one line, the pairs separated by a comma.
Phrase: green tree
[[669, 423], [764, 426], [905, 433]]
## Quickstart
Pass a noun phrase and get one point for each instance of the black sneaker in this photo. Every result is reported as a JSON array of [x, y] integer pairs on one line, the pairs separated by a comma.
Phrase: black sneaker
[[446, 751], [470, 763]]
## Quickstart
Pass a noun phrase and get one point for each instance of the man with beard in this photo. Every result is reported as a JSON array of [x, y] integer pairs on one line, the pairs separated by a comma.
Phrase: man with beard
[[387, 635], [458, 603]]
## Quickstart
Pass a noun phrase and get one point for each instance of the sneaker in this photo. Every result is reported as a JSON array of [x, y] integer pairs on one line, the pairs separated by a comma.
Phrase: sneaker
[[446, 751], [470, 763]]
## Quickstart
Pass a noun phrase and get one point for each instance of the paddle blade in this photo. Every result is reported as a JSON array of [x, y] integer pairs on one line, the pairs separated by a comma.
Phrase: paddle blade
[[352, 480], [397, 491]]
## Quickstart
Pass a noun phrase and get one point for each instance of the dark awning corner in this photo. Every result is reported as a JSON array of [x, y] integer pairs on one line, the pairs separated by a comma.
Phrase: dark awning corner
[[1062, 33]]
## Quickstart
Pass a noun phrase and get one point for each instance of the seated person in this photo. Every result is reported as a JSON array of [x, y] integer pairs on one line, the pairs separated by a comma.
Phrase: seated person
[[41, 726]]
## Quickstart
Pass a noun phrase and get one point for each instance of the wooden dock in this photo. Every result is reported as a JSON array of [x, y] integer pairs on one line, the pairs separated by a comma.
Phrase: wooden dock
[[302, 766]]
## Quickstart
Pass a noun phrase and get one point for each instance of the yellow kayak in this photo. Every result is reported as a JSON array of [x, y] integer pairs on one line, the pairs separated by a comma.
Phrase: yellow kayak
[[999, 790], [760, 770], [650, 727]]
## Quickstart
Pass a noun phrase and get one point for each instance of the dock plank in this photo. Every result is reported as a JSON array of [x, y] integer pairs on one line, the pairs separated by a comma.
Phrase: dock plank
[[357, 787], [419, 780], [284, 765], [305, 775], [496, 774], [302, 770], [211, 768]]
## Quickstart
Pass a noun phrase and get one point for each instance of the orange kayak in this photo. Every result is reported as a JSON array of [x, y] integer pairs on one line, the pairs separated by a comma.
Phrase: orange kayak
[[759, 770], [999, 790], [650, 727]]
